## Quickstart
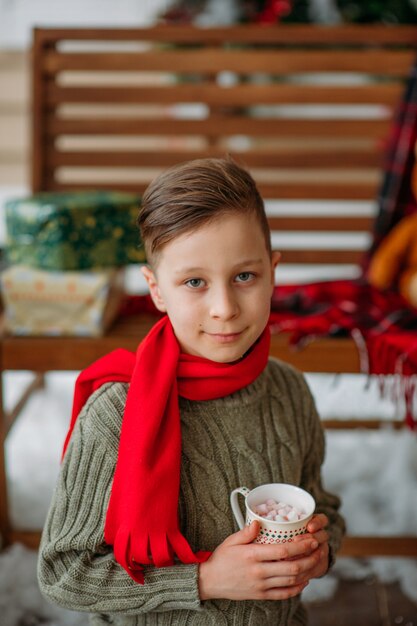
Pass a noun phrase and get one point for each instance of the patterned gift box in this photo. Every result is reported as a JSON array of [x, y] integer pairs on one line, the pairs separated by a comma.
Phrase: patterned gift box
[[73, 231], [38, 302]]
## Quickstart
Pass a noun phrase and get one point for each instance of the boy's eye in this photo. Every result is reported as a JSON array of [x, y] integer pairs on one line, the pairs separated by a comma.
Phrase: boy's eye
[[194, 283], [244, 277]]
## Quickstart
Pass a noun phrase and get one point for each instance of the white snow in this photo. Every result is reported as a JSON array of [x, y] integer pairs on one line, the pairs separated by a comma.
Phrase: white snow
[[375, 473]]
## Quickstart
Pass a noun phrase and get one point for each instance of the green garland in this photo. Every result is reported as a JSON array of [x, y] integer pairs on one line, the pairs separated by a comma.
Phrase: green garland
[[385, 11]]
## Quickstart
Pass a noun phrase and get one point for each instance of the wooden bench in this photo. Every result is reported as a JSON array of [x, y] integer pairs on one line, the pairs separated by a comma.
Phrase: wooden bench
[[306, 108]]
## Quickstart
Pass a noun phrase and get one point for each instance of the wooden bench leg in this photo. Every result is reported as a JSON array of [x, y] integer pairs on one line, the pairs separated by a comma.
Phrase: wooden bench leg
[[38, 382], [4, 503], [6, 421]]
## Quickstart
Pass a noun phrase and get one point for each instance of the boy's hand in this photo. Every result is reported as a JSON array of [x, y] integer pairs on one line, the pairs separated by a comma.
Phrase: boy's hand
[[241, 570]]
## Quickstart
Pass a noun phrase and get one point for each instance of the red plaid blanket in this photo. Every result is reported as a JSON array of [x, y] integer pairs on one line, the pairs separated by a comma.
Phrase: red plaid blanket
[[382, 324], [336, 308]]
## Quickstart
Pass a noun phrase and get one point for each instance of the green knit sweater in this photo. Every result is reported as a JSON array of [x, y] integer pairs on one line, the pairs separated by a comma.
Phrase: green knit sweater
[[266, 432]]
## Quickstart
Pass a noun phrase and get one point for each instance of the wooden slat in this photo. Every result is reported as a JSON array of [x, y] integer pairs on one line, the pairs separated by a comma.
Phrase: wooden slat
[[43, 354], [75, 353], [288, 191], [219, 125], [321, 257], [238, 95], [320, 190], [211, 60], [29, 538], [306, 159], [359, 547], [321, 355], [321, 224], [357, 34], [369, 424]]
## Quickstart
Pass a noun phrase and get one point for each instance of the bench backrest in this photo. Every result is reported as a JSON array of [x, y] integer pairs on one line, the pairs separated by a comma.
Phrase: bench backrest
[[306, 108]]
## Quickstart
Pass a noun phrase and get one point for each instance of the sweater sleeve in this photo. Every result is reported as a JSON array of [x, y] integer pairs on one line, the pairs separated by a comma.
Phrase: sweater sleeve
[[76, 569], [326, 502]]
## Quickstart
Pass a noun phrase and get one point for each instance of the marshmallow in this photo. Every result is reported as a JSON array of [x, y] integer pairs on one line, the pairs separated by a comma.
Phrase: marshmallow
[[279, 511]]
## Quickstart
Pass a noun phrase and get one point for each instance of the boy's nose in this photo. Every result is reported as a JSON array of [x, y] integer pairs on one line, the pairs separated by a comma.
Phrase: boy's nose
[[223, 305]]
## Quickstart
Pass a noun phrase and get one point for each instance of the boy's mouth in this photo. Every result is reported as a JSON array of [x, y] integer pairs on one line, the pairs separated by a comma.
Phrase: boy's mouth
[[225, 337]]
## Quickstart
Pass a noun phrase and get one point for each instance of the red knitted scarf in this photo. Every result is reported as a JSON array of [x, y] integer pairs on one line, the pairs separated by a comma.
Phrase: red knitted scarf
[[142, 517]]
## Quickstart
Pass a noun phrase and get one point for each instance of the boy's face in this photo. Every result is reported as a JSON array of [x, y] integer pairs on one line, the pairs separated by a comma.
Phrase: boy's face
[[215, 284]]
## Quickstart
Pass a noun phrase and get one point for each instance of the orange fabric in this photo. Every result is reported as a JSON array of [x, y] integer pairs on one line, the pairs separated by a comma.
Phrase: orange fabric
[[394, 264]]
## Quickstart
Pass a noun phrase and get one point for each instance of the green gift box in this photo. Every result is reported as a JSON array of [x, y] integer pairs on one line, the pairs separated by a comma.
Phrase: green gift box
[[73, 230]]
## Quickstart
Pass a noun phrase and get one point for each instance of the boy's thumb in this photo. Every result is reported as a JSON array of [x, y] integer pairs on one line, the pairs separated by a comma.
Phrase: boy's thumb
[[246, 535]]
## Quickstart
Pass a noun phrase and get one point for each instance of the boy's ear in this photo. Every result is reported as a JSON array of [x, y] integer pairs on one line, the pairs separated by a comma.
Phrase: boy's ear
[[275, 259], [153, 288]]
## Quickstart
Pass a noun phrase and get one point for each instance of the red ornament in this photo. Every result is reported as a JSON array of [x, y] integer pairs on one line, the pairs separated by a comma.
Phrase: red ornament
[[273, 11]]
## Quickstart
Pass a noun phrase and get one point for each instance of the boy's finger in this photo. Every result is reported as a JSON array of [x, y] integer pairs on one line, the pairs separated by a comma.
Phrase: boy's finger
[[292, 571], [322, 536], [283, 593], [317, 523], [282, 551], [246, 535]]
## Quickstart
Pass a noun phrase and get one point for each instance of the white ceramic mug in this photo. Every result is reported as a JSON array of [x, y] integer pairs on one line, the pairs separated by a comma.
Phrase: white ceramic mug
[[271, 531]]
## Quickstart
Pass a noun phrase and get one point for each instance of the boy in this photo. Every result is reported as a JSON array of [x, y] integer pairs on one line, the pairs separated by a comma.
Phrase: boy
[[205, 412]]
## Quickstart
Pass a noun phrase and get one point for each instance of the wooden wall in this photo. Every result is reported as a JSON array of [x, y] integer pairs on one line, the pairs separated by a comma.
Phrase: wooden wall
[[14, 119]]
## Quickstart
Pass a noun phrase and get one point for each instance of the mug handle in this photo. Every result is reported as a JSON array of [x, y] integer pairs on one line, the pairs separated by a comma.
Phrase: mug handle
[[235, 505]]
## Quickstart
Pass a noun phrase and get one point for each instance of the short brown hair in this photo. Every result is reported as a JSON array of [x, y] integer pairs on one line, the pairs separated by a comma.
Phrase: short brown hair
[[189, 195]]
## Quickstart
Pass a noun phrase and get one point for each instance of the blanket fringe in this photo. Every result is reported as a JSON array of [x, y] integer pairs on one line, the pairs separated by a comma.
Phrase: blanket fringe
[[400, 387]]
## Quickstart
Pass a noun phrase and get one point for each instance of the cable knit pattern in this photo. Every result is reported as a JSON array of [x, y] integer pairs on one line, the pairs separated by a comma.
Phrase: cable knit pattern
[[266, 432]]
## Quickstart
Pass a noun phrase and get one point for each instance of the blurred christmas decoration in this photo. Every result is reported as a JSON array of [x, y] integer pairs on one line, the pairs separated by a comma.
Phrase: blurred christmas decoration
[[226, 12], [385, 11], [268, 12], [221, 12]]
